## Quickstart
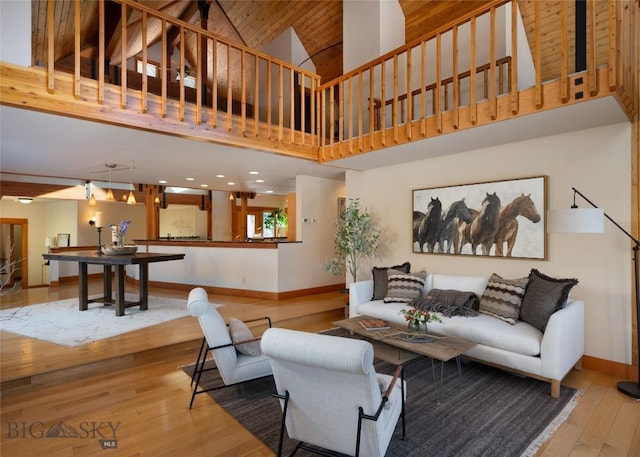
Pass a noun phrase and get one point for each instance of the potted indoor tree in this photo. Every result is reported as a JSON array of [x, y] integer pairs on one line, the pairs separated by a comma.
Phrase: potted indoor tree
[[356, 239]]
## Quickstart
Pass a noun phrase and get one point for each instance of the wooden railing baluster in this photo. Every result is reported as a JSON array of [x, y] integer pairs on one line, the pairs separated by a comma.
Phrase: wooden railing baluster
[[76, 48], [512, 68], [473, 102], [493, 102], [143, 94], [592, 69], [165, 72], [456, 85], [51, 57], [123, 61], [538, 57]]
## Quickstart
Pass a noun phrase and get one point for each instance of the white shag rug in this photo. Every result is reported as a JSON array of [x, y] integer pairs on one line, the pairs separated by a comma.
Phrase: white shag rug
[[61, 322]]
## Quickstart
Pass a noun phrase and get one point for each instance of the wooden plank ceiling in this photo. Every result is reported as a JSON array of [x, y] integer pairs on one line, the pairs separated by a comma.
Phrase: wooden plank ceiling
[[254, 23]]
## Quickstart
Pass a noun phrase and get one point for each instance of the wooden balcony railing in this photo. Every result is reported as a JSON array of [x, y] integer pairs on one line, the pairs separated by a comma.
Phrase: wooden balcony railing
[[498, 63], [248, 93], [529, 69]]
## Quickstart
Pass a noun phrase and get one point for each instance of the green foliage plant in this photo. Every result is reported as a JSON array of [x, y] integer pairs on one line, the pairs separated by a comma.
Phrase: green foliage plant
[[276, 219], [356, 239]]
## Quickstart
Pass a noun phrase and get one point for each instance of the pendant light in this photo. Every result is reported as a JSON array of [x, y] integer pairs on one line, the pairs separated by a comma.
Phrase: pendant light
[[131, 200], [110, 197]]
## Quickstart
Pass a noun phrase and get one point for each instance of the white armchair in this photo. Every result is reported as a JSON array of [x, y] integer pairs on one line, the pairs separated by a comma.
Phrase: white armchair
[[234, 367], [330, 395]]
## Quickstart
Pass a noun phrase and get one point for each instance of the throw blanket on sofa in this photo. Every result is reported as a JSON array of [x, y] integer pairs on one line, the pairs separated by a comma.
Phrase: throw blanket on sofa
[[449, 302]]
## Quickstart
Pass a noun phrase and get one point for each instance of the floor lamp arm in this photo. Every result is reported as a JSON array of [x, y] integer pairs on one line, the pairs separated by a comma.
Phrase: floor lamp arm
[[629, 388], [637, 243]]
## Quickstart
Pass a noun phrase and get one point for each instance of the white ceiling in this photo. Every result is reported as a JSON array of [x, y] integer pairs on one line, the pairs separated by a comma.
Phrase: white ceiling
[[40, 144]]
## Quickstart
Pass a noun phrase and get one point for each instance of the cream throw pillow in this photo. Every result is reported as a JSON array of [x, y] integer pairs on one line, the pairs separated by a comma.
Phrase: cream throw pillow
[[240, 332]]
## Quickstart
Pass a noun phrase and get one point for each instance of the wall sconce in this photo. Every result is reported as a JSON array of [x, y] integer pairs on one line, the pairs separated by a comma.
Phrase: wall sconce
[[92, 200], [124, 197], [231, 196], [156, 200]]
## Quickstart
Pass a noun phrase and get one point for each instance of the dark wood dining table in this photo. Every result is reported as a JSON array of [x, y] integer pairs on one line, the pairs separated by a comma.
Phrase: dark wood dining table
[[85, 258]]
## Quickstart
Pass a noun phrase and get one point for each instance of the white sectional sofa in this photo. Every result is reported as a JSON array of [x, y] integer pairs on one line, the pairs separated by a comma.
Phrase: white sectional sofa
[[520, 348]]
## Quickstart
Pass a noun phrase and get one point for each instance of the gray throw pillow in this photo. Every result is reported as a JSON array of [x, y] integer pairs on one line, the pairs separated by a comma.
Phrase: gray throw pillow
[[543, 297], [381, 279], [405, 287], [502, 298], [240, 332]]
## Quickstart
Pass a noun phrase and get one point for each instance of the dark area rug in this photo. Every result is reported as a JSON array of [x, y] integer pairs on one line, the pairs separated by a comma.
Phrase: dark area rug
[[483, 412]]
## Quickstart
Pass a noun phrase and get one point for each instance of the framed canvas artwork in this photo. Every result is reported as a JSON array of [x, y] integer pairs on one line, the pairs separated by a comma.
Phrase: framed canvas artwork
[[497, 219]]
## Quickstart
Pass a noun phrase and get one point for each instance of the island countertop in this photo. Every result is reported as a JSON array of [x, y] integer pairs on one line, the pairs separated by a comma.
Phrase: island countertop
[[267, 243]]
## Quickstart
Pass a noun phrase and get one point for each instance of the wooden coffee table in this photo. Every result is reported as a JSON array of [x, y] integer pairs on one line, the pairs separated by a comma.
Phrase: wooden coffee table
[[391, 346]]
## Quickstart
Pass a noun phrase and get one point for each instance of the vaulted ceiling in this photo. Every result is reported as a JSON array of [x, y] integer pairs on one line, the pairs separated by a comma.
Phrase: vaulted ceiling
[[254, 23]]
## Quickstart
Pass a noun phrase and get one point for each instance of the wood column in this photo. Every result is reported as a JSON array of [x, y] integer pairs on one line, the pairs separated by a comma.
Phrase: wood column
[[152, 210]]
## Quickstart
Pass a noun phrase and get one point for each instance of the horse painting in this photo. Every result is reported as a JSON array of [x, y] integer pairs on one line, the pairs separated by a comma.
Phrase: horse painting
[[428, 226], [485, 226], [458, 211], [508, 222]]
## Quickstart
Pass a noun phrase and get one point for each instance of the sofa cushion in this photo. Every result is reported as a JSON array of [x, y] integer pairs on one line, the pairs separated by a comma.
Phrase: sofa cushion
[[543, 297], [240, 332], [520, 338], [502, 298], [404, 287], [381, 279]]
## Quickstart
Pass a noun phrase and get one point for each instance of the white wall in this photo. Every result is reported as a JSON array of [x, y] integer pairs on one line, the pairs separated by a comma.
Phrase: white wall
[[15, 32], [595, 161], [183, 221], [9, 208], [316, 199], [370, 29], [47, 218]]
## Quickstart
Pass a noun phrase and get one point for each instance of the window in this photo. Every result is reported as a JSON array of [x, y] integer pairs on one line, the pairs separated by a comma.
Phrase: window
[[152, 68]]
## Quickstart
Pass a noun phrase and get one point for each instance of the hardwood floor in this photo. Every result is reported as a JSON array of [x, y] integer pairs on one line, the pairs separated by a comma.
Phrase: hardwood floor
[[132, 383]]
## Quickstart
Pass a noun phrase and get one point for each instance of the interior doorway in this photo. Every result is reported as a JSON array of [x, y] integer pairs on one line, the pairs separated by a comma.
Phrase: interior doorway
[[14, 253]]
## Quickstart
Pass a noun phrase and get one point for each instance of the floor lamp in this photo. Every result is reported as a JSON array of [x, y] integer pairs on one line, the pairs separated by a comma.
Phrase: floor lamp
[[591, 220]]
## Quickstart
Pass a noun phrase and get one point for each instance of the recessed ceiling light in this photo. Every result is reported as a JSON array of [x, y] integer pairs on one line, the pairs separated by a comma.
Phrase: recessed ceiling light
[[219, 176], [259, 180], [230, 183], [204, 185], [162, 181], [269, 191], [254, 172], [190, 179], [25, 200]]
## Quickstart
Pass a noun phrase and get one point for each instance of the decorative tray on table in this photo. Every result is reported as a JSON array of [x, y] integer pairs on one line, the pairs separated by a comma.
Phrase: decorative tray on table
[[127, 249]]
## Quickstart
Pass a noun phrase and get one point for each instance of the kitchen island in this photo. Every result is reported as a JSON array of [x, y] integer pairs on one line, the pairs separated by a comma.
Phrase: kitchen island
[[255, 268]]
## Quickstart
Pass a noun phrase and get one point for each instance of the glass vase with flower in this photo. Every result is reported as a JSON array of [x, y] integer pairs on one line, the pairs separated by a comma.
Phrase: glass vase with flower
[[417, 319]]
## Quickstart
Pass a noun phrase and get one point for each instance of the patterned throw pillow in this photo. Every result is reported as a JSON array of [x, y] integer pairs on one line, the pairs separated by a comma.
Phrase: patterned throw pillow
[[543, 297], [381, 279], [405, 287], [502, 298], [240, 332]]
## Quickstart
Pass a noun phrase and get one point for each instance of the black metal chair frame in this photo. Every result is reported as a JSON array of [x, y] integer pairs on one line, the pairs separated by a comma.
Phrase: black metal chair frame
[[199, 368], [399, 373]]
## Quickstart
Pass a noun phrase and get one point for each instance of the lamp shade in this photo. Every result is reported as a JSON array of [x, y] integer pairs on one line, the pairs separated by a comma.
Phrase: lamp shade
[[576, 220]]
